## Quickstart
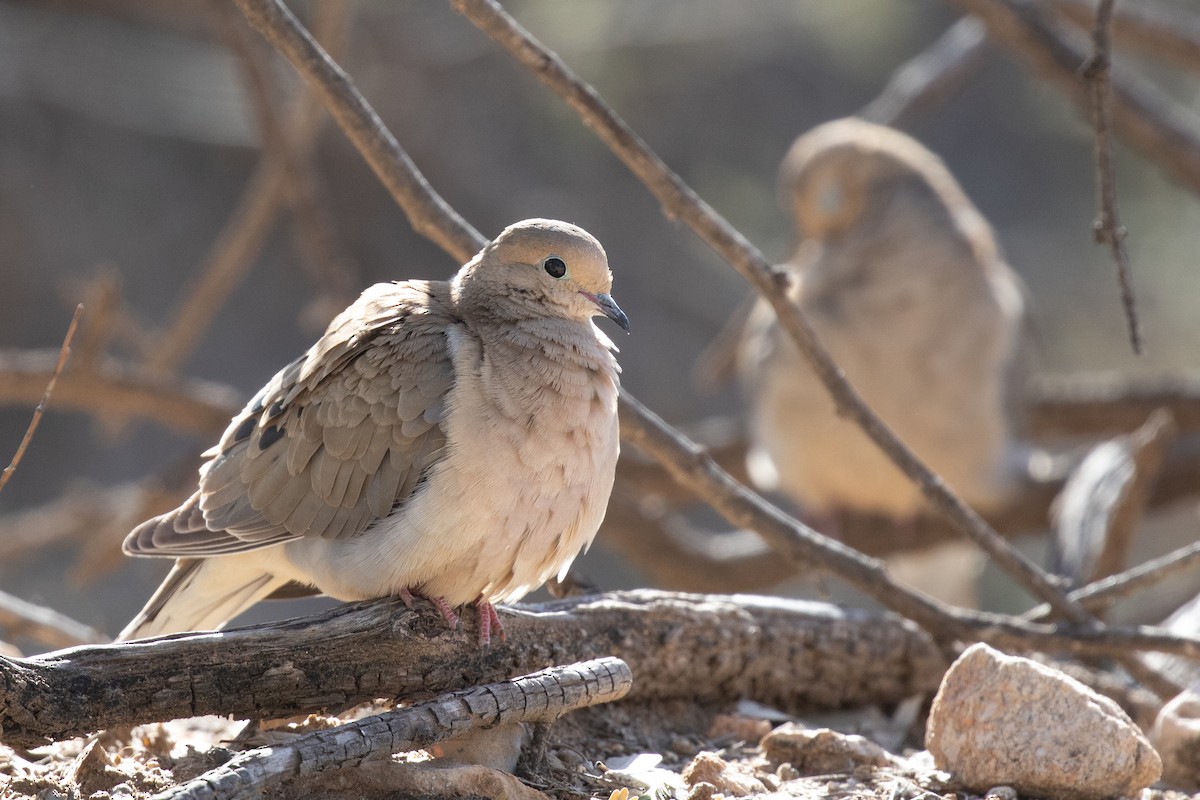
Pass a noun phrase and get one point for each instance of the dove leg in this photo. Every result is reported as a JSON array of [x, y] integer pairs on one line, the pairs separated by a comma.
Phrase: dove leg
[[489, 621], [409, 596]]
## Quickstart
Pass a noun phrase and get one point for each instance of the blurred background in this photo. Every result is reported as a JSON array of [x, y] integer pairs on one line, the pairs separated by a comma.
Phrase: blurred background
[[128, 137]]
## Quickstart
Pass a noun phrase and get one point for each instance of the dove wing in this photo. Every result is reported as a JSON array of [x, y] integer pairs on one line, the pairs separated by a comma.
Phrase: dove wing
[[338, 438]]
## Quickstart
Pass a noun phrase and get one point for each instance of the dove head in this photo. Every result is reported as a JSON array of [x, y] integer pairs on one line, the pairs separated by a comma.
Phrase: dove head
[[540, 268], [847, 172]]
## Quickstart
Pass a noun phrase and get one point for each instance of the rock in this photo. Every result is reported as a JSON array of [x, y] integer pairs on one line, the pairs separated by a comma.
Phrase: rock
[[821, 751], [93, 771], [731, 779], [738, 727], [1176, 736], [497, 748], [1002, 720]]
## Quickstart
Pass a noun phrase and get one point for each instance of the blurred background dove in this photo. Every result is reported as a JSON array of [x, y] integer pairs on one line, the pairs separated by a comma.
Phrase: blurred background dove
[[901, 278]]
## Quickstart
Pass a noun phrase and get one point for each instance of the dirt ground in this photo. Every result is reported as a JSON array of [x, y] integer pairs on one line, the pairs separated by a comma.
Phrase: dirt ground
[[621, 751]]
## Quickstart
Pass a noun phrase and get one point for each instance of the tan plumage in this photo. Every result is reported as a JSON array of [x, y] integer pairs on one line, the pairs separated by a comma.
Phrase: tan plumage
[[901, 279], [453, 439]]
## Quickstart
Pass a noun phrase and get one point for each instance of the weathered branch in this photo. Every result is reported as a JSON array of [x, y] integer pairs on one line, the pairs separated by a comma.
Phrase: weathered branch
[[541, 697], [1147, 120], [787, 653]]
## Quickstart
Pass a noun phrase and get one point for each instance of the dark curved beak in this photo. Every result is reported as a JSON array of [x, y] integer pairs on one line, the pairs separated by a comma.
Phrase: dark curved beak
[[609, 308]]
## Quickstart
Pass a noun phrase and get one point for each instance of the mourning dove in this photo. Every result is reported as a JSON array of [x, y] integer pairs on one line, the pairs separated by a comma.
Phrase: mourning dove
[[901, 279], [455, 440]]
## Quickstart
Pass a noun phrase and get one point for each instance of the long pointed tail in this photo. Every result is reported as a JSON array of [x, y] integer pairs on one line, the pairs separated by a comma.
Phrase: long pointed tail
[[202, 594]]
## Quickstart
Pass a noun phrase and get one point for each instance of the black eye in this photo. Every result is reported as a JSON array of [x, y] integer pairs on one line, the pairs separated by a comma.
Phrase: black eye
[[555, 267]]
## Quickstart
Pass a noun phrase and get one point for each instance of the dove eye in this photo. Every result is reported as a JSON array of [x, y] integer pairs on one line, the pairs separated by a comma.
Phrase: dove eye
[[555, 267]]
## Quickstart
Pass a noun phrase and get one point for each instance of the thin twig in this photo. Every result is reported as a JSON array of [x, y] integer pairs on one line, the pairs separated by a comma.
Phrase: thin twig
[[1163, 131], [63, 353], [1107, 228], [932, 76], [680, 202], [541, 697], [1103, 593]]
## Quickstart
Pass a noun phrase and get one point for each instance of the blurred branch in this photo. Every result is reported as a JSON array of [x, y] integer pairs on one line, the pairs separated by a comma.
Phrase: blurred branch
[[1164, 132], [425, 209], [92, 514], [1107, 228], [1156, 29], [1096, 403], [312, 226], [21, 618], [1103, 593], [240, 241], [934, 75], [806, 549], [680, 202], [541, 697], [113, 387]]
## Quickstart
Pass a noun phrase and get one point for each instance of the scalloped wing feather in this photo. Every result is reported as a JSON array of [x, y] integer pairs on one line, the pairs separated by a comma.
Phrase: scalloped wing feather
[[339, 437]]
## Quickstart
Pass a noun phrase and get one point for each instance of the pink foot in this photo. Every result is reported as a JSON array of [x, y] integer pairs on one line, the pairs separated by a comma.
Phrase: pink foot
[[409, 596], [489, 621]]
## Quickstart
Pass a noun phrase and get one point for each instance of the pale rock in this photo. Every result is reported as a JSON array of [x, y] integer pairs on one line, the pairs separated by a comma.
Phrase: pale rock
[[1004, 720], [820, 751]]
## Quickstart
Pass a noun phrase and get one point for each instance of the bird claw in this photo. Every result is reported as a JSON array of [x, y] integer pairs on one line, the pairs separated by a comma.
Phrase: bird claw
[[409, 597], [489, 620]]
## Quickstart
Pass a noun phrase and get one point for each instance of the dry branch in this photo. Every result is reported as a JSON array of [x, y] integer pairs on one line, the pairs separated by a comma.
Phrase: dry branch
[[541, 697], [680, 202], [1156, 29], [787, 653], [427, 212], [806, 549], [1103, 593], [1164, 132], [1107, 227]]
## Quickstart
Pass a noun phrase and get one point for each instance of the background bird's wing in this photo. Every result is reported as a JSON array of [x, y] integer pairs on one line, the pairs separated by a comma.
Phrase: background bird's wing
[[336, 439]]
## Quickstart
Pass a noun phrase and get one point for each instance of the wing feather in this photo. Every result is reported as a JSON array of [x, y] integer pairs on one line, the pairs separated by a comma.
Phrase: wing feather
[[336, 439]]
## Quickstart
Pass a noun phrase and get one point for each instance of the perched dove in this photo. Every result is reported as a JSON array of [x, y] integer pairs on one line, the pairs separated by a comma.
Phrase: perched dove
[[455, 440], [901, 279]]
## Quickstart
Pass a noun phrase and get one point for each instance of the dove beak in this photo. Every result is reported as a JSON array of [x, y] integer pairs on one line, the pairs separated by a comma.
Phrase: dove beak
[[609, 308]]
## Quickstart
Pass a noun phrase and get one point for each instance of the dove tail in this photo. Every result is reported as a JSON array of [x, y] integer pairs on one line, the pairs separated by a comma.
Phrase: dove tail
[[201, 594]]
